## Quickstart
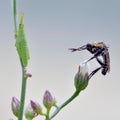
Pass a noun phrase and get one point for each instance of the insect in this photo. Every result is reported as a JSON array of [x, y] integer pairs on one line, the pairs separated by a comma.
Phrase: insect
[[97, 49], [21, 43]]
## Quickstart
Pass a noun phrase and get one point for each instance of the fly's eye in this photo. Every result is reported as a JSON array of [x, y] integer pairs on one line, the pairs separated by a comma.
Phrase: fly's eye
[[89, 47]]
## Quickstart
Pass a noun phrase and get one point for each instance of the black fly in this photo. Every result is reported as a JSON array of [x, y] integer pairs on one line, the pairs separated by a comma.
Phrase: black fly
[[97, 49]]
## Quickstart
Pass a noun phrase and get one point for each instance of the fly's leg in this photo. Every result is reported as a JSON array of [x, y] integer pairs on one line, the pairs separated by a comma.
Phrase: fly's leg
[[98, 53], [78, 49], [93, 72], [91, 58], [100, 62]]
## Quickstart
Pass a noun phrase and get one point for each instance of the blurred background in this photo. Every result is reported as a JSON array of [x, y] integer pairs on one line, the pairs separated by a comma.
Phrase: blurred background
[[53, 26]]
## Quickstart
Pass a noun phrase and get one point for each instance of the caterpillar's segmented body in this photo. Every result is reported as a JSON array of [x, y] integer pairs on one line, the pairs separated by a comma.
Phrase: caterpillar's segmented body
[[21, 44]]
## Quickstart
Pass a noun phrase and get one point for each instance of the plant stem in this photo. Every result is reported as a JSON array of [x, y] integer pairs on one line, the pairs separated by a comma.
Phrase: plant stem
[[47, 114], [23, 91], [75, 94], [15, 14], [24, 78]]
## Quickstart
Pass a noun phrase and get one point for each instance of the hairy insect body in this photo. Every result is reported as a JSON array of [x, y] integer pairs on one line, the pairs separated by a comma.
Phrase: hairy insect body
[[97, 49]]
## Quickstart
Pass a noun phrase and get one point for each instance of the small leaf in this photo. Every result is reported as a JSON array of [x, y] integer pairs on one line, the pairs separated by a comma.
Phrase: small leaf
[[21, 43]]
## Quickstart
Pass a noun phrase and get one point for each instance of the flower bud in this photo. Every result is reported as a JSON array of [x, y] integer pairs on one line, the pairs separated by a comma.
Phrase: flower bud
[[48, 100], [28, 75], [30, 113], [15, 104], [36, 107], [81, 77]]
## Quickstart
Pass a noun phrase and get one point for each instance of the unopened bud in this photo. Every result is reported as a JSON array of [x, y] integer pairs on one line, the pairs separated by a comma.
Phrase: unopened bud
[[81, 77], [30, 113], [36, 107], [28, 75], [48, 100], [15, 104]]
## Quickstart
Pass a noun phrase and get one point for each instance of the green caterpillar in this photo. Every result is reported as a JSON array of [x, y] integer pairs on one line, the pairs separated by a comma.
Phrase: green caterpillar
[[21, 43]]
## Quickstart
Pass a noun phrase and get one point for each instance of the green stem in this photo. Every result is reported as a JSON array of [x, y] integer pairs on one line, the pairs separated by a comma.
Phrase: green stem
[[15, 14], [47, 114], [23, 91], [24, 78], [75, 94]]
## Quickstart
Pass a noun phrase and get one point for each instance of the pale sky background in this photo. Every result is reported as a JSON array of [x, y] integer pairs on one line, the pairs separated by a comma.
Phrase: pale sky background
[[53, 26]]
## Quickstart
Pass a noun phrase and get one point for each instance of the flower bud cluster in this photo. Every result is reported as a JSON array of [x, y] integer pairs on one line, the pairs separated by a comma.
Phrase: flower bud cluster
[[34, 109]]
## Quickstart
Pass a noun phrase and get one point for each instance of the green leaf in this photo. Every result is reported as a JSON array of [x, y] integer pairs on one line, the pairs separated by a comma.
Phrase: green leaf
[[21, 42]]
